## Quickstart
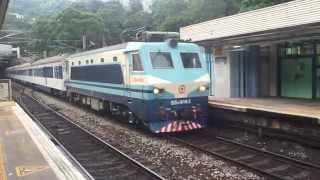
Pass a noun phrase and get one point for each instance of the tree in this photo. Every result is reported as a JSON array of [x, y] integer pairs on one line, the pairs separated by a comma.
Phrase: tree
[[66, 30], [167, 15], [135, 6], [203, 10], [247, 5], [113, 16], [171, 14]]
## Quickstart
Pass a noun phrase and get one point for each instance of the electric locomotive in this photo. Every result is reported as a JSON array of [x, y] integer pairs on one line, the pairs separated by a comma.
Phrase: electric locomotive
[[163, 85]]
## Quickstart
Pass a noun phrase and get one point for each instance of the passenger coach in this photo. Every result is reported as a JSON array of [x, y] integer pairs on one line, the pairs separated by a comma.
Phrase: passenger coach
[[48, 74]]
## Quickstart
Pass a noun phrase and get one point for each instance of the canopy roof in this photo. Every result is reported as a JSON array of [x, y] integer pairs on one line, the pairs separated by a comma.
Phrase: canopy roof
[[282, 17]]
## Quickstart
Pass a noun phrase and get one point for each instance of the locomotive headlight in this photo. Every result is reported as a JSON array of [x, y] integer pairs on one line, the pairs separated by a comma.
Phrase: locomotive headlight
[[156, 91], [202, 88]]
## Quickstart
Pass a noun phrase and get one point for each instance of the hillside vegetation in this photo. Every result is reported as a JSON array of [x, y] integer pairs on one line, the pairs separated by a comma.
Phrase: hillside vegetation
[[58, 25]]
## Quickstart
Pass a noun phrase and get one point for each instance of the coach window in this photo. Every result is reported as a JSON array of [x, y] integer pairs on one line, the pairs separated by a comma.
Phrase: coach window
[[48, 72], [91, 61], [136, 63], [102, 60], [115, 59], [161, 60], [87, 61], [79, 62], [58, 72], [72, 63], [190, 60]]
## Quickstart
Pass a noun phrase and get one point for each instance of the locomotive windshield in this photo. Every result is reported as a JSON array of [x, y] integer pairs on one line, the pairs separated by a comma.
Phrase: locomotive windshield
[[161, 60], [190, 60]]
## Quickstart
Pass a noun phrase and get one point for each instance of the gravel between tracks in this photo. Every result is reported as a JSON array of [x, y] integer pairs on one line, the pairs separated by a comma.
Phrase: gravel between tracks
[[276, 145], [170, 160]]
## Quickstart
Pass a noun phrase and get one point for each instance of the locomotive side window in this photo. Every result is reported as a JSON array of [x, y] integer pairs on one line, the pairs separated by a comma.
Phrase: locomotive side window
[[161, 60], [190, 60], [136, 63], [109, 73]]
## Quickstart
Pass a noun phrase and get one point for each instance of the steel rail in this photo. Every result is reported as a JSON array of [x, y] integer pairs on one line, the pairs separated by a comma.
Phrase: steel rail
[[137, 164], [311, 165], [293, 163], [220, 155]]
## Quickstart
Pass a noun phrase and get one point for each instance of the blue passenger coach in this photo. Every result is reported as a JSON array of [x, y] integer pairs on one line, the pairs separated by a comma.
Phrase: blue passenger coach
[[163, 85]]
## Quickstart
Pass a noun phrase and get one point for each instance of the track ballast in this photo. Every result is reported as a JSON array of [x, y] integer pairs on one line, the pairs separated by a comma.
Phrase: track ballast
[[97, 158], [271, 165]]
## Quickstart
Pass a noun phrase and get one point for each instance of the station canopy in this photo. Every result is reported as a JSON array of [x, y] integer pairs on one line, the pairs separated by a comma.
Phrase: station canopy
[[295, 19]]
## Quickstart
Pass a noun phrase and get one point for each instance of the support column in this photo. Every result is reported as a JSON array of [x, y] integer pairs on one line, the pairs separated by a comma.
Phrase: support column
[[274, 70]]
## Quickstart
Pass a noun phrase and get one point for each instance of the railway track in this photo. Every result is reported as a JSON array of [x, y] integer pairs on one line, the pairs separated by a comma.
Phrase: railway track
[[268, 164], [98, 159], [312, 142]]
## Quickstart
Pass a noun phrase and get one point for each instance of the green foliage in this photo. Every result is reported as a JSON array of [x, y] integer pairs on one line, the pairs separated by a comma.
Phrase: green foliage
[[31, 9], [247, 5], [58, 25], [170, 15]]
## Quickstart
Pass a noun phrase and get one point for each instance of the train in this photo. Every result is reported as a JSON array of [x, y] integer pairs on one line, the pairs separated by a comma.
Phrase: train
[[162, 85]]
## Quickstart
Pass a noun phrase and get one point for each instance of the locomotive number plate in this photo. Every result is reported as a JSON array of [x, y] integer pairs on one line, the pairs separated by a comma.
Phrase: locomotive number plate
[[180, 102]]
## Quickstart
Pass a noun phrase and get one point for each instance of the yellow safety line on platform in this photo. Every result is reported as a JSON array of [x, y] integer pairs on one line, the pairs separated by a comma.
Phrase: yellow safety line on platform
[[28, 170], [3, 174]]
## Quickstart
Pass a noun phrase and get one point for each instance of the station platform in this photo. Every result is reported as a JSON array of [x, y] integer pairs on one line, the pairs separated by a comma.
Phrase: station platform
[[27, 153], [292, 107]]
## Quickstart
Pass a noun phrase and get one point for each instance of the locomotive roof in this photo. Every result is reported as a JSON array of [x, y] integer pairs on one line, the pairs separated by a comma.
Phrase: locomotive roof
[[129, 46]]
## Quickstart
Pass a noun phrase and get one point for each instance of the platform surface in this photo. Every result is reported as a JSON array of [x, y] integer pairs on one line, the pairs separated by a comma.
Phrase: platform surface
[[294, 107], [26, 153]]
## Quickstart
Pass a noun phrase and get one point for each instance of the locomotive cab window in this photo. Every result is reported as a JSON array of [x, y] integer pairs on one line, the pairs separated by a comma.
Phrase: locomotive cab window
[[136, 63], [190, 60], [161, 60]]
